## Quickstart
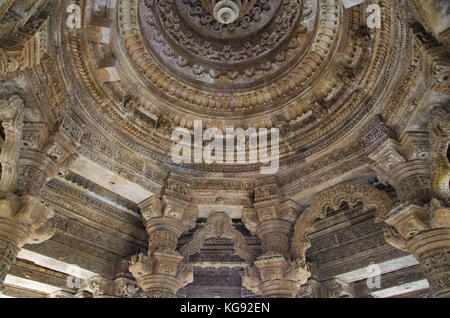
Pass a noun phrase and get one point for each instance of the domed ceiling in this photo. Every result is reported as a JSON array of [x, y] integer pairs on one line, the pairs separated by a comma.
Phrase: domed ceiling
[[308, 67]]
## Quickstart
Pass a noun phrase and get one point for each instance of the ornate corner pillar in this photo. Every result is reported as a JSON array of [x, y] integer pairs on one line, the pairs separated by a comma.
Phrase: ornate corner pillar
[[162, 272], [26, 167], [23, 217], [420, 222], [273, 273]]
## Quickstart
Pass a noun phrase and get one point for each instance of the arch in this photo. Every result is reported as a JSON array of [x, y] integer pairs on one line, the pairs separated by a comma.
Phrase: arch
[[218, 225], [331, 199]]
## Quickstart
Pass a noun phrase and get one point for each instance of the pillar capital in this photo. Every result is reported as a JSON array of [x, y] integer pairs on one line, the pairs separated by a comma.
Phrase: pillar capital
[[162, 274], [275, 276]]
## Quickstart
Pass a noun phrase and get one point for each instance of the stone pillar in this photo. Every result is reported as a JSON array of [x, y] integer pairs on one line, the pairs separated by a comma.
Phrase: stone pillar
[[273, 273], [23, 215], [161, 272], [420, 222], [22, 218]]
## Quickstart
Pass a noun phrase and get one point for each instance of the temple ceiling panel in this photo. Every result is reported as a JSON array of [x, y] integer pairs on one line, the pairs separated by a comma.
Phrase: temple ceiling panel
[[93, 203]]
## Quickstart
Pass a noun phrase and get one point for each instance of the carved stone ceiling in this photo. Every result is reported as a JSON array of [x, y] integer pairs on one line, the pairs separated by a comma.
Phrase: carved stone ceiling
[[308, 67], [136, 69]]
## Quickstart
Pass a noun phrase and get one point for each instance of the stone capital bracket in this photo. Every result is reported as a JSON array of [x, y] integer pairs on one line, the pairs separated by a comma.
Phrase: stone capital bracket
[[172, 212], [162, 274]]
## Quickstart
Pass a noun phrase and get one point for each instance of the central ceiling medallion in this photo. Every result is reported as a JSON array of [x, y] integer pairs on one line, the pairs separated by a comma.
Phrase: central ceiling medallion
[[227, 11]]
